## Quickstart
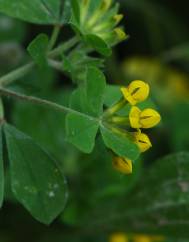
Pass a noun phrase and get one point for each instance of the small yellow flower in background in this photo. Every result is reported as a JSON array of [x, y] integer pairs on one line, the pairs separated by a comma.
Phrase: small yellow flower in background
[[147, 238], [118, 237], [142, 238], [122, 165], [145, 119], [157, 238], [143, 141], [136, 92]]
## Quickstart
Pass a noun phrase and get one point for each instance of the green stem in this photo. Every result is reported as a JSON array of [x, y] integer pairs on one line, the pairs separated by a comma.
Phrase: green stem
[[43, 102], [115, 108], [63, 47], [55, 64], [54, 37], [1, 110], [13, 75], [120, 120]]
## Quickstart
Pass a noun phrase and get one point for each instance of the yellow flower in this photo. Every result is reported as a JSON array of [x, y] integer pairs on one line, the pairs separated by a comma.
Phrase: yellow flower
[[136, 92], [122, 165], [157, 238], [142, 141], [146, 238], [141, 238], [118, 237], [145, 119]]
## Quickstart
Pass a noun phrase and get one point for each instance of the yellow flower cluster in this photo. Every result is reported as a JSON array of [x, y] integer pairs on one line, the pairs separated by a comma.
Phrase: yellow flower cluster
[[138, 91]]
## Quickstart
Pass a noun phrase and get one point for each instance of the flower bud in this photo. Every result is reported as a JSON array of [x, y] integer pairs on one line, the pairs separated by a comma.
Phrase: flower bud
[[143, 141], [101, 19], [118, 18], [120, 35], [106, 4], [123, 165], [136, 92], [145, 119]]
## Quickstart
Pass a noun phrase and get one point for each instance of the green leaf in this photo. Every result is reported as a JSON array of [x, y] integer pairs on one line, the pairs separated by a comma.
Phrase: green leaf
[[42, 120], [1, 170], [66, 11], [81, 131], [94, 5], [88, 99], [95, 85], [76, 10], [98, 44], [78, 100], [38, 49], [112, 95], [37, 11], [36, 180], [120, 144], [178, 122]]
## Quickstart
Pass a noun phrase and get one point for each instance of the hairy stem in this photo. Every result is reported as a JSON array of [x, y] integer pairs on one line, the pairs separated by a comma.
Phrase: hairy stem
[[43, 102]]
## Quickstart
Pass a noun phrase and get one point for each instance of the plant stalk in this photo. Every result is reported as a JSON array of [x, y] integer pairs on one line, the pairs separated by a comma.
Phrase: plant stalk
[[115, 108], [120, 120], [63, 47], [43, 102], [54, 37], [13, 75]]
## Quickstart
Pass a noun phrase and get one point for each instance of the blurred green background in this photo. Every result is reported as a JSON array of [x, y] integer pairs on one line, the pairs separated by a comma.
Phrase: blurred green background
[[157, 52]]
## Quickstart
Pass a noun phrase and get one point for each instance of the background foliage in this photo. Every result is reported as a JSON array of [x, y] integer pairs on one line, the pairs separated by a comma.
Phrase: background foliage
[[154, 199]]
